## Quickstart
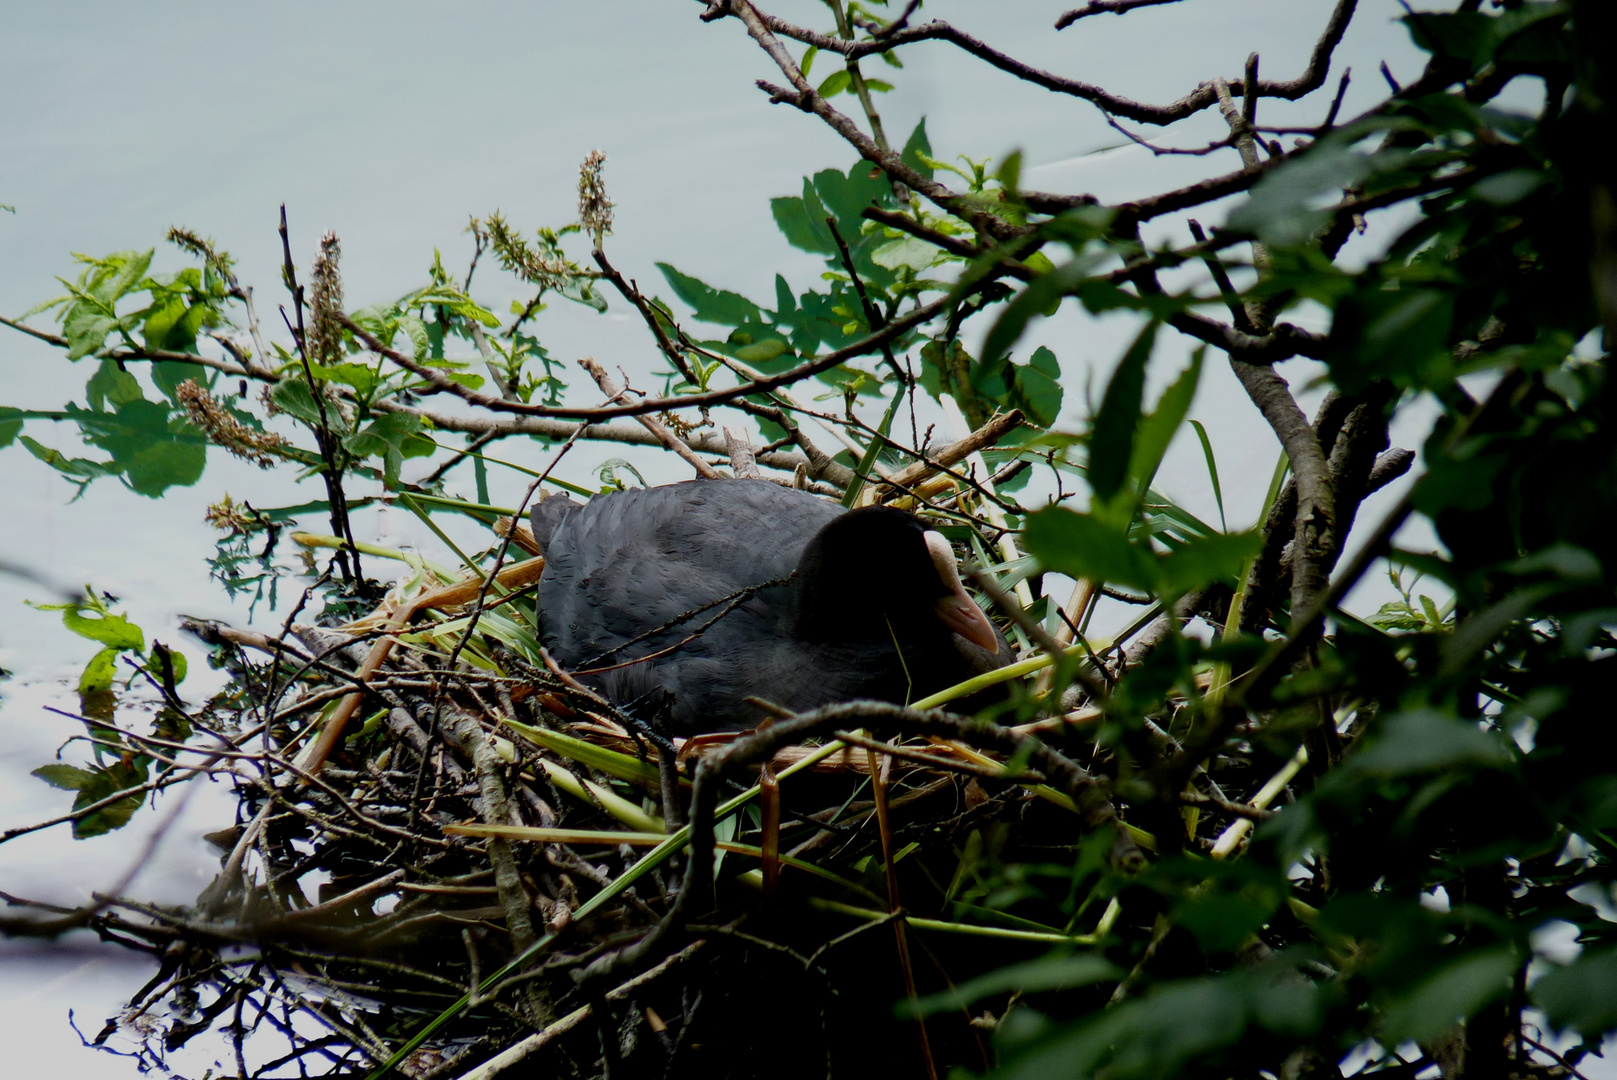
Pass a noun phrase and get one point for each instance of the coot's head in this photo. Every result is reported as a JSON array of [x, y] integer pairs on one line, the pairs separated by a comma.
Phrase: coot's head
[[878, 572]]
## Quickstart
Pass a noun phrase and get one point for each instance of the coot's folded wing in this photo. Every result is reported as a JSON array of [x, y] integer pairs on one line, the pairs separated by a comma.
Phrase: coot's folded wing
[[623, 565]]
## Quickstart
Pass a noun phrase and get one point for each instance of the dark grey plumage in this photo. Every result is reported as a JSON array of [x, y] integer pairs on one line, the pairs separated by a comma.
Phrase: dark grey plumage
[[624, 565]]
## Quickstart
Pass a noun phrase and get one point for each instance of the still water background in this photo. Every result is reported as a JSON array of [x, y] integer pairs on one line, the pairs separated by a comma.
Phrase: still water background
[[392, 123]]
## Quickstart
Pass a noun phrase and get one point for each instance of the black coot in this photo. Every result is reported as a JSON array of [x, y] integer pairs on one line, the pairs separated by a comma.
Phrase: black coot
[[875, 609]]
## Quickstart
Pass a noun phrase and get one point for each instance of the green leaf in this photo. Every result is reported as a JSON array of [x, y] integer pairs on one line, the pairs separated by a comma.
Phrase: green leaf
[[1146, 1038], [906, 251], [292, 396], [1038, 387], [112, 385], [1156, 431], [1509, 187], [416, 331], [761, 352], [846, 195], [391, 437], [64, 777], [153, 448], [116, 777], [1221, 920], [1212, 471], [835, 83], [1401, 335], [79, 468], [1424, 740], [802, 221], [1583, 995], [709, 304], [175, 324], [122, 271], [1009, 173], [113, 631], [86, 331], [1476, 37], [1036, 299], [362, 377], [1206, 560], [1112, 436], [867, 462], [176, 661], [1083, 546], [100, 672], [917, 148], [1452, 993], [1284, 207]]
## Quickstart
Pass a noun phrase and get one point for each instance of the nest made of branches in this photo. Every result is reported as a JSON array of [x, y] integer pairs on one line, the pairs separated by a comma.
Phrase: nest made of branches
[[495, 865]]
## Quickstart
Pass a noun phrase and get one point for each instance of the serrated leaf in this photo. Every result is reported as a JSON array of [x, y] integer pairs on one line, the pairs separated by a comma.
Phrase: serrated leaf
[[292, 396], [86, 331], [64, 777], [416, 331], [113, 631], [131, 266], [111, 385], [802, 221], [1038, 387], [391, 437], [710, 304], [82, 468]]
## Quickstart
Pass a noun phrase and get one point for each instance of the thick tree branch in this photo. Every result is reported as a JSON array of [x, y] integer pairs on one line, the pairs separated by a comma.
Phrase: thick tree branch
[[1314, 543]]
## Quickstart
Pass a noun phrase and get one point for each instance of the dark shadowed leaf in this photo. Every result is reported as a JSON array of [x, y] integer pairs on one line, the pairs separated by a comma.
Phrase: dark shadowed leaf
[[1111, 440], [1423, 740], [1157, 430], [1452, 993], [65, 777], [1583, 995], [1049, 973], [1207, 559]]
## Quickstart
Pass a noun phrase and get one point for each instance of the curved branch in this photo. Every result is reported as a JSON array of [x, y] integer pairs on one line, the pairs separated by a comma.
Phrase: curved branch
[[1105, 7], [1312, 78]]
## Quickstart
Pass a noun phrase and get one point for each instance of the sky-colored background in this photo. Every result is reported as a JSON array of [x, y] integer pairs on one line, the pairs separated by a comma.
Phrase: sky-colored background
[[391, 123]]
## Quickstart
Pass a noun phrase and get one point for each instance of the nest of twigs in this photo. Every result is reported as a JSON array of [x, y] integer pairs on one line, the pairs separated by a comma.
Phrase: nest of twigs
[[495, 865]]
